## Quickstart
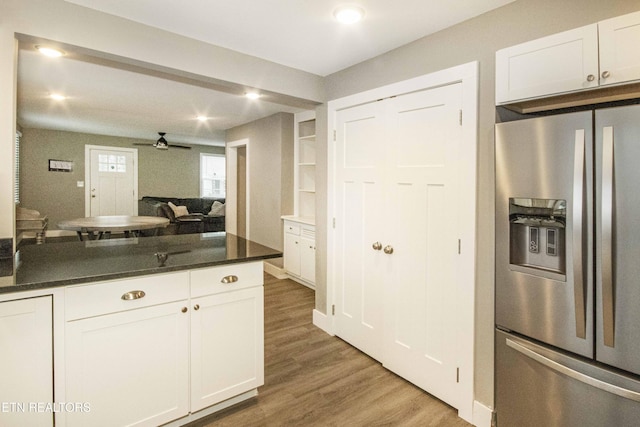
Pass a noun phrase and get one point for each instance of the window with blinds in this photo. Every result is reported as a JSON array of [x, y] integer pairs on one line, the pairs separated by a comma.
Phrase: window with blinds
[[16, 178]]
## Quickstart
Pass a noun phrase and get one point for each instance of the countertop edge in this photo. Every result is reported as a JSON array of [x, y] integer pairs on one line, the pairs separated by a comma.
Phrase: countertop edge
[[121, 275]]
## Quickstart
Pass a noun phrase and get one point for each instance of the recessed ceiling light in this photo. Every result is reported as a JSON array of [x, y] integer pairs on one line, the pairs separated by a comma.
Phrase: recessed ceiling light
[[50, 51], [57, 97], [202, 118], [348, 14], [252, 95]]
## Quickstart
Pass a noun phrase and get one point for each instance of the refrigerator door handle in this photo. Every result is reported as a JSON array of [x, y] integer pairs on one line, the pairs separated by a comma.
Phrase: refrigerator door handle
[[608, 313], [578, 275], [572, 373]]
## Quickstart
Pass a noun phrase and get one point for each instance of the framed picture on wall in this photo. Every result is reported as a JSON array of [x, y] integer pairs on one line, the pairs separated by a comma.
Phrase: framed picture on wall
[[60, 165]]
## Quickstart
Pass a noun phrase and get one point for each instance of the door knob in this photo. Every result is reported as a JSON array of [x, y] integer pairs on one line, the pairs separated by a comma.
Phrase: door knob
[[377, 246], [388, 249]]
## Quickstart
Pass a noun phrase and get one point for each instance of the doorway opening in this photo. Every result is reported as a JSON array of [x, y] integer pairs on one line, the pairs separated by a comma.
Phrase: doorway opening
[[238, 188]]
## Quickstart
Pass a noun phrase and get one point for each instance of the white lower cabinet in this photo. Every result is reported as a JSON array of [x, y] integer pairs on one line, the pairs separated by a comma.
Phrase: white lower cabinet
[[227, 346], [131, 368], [151, 350], [26, 362], [300, 251]]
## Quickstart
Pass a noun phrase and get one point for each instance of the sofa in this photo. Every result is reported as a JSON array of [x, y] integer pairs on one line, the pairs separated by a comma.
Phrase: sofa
[[187, 215]]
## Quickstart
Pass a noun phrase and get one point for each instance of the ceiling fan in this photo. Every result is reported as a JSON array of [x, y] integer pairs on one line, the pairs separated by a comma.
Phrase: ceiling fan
[[162, 144]]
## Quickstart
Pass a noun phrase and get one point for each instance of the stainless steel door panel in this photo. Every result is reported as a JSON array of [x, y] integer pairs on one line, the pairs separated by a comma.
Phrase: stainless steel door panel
[[617, 134], [547, 158], [536, 386]]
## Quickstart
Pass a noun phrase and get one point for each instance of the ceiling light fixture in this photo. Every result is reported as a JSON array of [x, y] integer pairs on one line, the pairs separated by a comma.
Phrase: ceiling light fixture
[[252, 95], [348, 14], [202, 118], [57, 97], [50, 51]]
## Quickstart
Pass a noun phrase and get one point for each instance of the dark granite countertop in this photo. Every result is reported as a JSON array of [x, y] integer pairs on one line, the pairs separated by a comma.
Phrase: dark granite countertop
[[58, 264]]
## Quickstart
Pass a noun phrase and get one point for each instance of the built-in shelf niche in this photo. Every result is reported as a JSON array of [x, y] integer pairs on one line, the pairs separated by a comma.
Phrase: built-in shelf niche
[[305, 164]]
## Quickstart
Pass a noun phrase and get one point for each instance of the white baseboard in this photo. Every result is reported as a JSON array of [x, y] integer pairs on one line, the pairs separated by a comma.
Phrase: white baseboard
[[481, 415], [275, 270], [322, 321]]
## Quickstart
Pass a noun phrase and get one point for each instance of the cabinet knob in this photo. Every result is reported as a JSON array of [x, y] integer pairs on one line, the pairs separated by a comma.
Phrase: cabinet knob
[[388, 249], [377, 246], [131, 295], [229, 279], [606, 74], [184, 309], [196, 307], [591, 78]]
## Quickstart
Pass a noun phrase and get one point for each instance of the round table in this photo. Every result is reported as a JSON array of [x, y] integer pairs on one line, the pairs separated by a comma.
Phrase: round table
[[101, 227]]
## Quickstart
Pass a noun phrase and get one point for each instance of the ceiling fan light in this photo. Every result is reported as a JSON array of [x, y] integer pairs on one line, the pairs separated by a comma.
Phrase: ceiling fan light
[[348, 14], [161, 143], [50, 51]]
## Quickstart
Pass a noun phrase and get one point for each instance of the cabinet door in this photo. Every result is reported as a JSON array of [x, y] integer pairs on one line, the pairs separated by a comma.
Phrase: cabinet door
[[619, 53], [308, 260], [227, 346], [26, 361], [555, 64], [131, 367], [292, 254]]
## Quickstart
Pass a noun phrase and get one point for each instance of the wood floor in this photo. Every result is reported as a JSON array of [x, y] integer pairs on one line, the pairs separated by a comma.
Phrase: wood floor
[[313, 379]]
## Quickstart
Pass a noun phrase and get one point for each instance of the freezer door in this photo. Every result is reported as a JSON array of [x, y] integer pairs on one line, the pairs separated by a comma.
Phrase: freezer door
[[617, 134], [544, 278], [536, 386]]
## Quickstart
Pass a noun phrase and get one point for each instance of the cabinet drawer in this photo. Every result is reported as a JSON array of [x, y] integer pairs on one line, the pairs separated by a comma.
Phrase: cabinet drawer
[[207, 281], [292, 228], [120, 295]]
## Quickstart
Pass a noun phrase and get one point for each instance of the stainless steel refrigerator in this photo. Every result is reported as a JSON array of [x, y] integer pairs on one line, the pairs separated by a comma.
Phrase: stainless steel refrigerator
[[568, 270]]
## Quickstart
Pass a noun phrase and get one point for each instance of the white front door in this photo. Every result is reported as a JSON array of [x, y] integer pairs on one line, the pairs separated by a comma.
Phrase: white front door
[[397, 163], [112, 187]]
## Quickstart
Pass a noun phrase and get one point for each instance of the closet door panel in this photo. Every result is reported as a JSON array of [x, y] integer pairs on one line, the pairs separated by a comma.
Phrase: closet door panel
[[360, 208]]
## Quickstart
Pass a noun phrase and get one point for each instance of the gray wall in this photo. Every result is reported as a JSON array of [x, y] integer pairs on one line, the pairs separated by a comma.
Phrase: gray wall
[[270, 172], [474, 40], [171, 173]]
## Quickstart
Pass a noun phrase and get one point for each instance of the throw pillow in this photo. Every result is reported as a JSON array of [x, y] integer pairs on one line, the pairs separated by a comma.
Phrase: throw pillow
[[217, 209], [178, 210]]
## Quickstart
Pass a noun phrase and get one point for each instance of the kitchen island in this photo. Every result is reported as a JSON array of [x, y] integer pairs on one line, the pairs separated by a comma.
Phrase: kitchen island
[[139, 331]]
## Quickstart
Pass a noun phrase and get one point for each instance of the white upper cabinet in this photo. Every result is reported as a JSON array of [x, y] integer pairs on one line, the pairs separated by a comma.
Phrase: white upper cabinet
[[583, 58], [620, 49]]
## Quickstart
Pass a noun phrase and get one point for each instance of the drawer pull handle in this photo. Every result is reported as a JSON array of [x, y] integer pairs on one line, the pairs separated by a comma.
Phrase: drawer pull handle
[[229, 279], [133, 295]]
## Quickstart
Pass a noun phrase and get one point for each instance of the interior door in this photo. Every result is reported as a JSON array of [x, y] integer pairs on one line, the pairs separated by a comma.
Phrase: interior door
[[359, 226], [617, 236], [422, 243], [113, 182]]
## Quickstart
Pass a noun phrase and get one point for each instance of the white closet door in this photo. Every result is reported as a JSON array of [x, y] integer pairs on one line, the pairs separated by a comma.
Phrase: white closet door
[[359, 196], [422, 229]]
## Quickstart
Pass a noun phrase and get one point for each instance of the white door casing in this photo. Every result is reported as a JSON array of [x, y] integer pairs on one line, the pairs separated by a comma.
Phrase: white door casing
[[111, 175], [451, 261], [231, 202]]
